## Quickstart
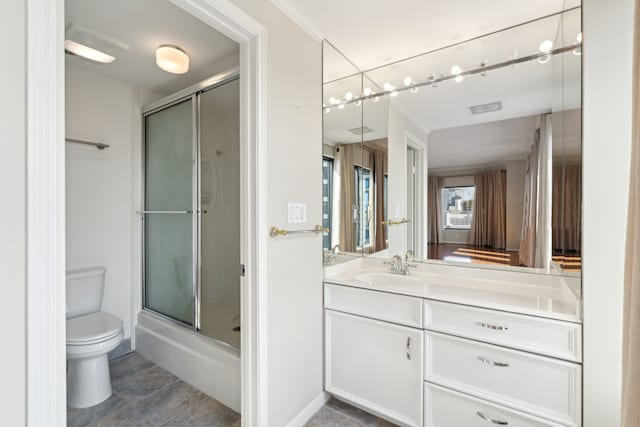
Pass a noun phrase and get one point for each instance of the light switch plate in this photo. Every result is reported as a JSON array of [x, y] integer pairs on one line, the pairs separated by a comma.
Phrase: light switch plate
[[297, 213]]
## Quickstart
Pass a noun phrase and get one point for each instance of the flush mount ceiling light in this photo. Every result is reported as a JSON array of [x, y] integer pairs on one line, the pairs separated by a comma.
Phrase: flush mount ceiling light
[[91, 45], [172, 59], [87, 52]]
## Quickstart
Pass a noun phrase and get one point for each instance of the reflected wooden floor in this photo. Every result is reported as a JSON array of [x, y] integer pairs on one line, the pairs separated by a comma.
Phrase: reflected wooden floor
[[571, 263], [473, 254]]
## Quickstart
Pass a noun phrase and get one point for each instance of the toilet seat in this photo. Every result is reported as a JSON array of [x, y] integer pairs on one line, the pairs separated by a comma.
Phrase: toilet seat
[[92, 328]]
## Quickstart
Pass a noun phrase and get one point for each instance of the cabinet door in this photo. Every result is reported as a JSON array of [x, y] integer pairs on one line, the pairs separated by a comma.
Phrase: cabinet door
[[375, 365]]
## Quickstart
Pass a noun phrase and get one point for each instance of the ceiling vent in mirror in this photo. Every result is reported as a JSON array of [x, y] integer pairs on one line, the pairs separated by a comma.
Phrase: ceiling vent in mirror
[[360, 130], [91, 45], [486, 108]]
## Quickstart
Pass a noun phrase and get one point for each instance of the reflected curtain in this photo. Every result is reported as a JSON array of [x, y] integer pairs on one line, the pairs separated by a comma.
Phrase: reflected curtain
[[631, 313], [489, 221], [434, 210], [566, 217], [347, 236], [379, 170], [535, 243]]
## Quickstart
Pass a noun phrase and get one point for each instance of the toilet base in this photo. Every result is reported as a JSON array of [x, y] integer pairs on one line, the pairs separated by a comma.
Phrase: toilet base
[[88, 381]]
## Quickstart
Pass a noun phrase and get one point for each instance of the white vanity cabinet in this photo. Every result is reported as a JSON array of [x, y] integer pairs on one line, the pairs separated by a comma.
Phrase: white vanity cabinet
[[420, 362], [372, 363]]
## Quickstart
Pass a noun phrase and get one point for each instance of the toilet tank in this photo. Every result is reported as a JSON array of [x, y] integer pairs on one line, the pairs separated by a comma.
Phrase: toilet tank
[[84, 290]]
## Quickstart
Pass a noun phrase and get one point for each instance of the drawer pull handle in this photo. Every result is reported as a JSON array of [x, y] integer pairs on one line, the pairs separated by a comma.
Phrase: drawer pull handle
[[494, 327], [492, 362], [408, 348], [492, 420]]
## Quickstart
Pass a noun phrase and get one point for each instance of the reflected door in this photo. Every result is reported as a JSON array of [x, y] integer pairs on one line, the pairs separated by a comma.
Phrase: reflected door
[[170, 225]]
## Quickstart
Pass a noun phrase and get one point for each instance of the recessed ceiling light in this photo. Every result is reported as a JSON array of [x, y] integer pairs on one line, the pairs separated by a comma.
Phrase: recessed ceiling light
[[87, 52], [172, 59]]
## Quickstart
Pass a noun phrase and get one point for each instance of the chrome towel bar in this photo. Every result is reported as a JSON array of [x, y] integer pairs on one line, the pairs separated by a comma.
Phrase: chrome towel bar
[[98, 145], [275, 231], [395, 222]]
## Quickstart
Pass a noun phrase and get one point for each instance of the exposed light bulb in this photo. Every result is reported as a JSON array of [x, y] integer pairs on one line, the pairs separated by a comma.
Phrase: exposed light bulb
[[546, 46], [327, 110], [388, 87], [414, 89], [367, 91], [456, 69], [459, 79], [341, 107], [577, 51], [579, 37], [376, 99], [332, 101], [394, 93], [348, 96], [358, 102], [408, 81]]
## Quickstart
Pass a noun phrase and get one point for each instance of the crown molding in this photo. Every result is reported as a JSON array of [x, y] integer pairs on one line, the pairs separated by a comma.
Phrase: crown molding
[[299, 19]]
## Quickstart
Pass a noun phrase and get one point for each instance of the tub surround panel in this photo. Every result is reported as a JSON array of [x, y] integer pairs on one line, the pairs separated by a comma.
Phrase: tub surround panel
[[186, 354]]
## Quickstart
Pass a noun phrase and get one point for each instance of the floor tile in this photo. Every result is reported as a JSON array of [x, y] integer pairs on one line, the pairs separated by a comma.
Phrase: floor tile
[[127, 365], [125, 417], [329, 417], [365, 418], [175, 403], [142, 384], [85, 416]]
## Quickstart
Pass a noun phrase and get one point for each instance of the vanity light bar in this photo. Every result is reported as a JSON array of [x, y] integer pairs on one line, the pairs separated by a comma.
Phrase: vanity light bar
[[479, 70]]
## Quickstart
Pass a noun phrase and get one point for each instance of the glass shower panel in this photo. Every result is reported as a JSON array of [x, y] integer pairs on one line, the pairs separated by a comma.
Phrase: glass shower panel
[[169, 222], [220, 218]]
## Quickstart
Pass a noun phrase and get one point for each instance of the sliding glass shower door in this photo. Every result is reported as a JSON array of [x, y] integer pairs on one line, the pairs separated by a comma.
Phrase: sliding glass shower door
[[170, 224], [192, 211]]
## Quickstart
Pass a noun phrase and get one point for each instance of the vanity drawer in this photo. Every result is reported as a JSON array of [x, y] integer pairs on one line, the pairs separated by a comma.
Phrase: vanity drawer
[[448, 408], [542, 386], [385, 306], [535, 334]]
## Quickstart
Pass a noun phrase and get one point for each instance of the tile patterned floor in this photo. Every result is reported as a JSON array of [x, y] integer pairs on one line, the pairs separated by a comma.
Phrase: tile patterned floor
[[145, 395], [339, 414]]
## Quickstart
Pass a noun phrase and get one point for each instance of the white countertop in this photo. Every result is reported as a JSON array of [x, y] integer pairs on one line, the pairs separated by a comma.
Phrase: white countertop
[[540, 295]]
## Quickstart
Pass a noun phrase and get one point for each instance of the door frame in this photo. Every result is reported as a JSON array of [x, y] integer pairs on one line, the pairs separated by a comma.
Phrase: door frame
[[421, 180], [46, 328]]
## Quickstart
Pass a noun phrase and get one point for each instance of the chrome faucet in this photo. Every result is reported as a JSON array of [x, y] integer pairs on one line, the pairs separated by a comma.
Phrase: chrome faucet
[[397, 266], [335, 249]]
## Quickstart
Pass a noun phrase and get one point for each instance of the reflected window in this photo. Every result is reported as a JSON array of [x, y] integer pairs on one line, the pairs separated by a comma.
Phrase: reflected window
[[457, 203], [327, 200], [363, 202]]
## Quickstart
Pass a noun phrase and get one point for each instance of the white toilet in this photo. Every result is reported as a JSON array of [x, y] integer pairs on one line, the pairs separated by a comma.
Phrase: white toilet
[[91, 335]]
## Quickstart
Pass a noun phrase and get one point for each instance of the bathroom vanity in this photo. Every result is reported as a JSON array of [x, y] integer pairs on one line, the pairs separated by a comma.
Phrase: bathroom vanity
[[452, 346]]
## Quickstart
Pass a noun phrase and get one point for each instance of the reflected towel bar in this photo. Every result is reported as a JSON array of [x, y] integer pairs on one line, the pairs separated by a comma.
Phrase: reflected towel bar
[[98, 145], [394, 222], [275, 231]]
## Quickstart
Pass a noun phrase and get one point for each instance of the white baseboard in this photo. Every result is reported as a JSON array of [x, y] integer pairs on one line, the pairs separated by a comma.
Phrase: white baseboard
[[190, 356], [310, 410]]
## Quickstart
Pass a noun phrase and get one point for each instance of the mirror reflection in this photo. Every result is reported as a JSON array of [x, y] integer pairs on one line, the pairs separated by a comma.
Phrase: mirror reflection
[[468, 154]]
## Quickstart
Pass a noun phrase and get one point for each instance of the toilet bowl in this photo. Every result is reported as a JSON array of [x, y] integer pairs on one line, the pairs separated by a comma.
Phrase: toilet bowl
[[90, 338], [91, 335]]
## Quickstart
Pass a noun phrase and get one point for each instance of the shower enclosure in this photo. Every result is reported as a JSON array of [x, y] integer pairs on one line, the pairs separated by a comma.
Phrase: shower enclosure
[[191, 213]]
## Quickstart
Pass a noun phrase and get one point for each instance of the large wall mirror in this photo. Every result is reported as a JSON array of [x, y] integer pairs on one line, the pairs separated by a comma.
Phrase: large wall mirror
[[469, 154]]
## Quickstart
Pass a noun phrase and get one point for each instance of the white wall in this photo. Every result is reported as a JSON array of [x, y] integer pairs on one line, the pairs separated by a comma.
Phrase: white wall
[[12, 214], [294, 173], [607, 56], [100, 209], [399, 125]]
